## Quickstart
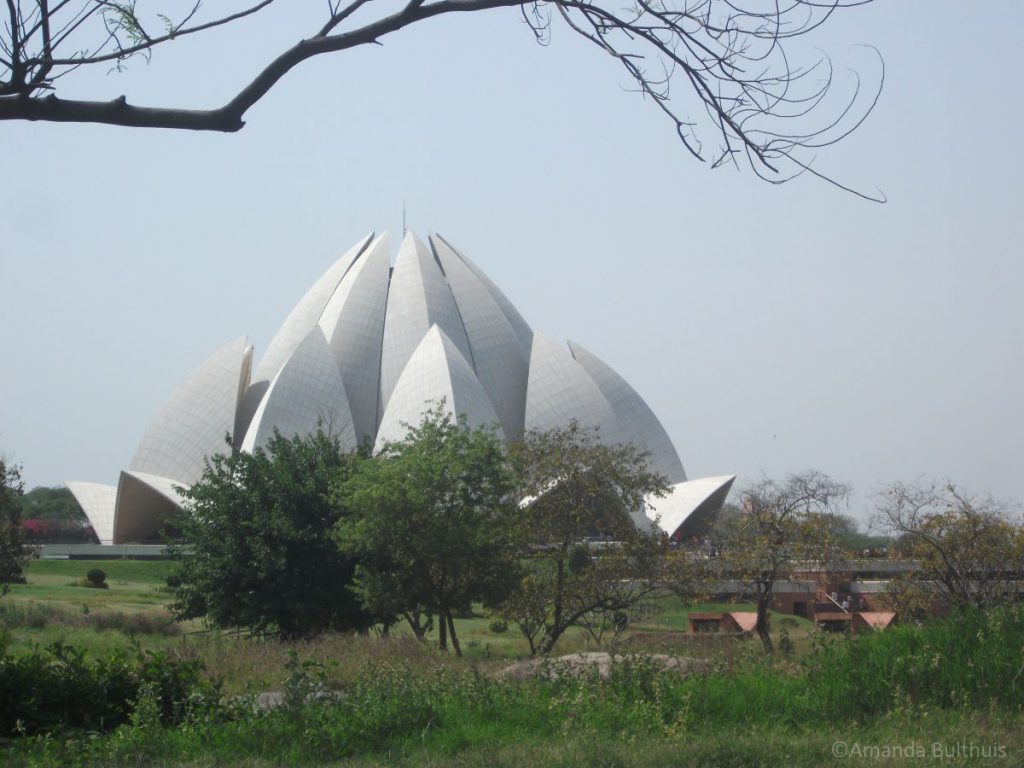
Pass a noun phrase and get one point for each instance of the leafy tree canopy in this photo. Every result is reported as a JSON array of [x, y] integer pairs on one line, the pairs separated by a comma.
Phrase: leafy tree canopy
[[427, 520], [257, 547], [14, 552], [574, 488]]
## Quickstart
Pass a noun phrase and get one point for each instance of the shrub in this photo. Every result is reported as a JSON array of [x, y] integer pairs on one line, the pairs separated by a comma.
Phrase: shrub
[[498, 626], [151, 623], [97, 576], [57, 687]]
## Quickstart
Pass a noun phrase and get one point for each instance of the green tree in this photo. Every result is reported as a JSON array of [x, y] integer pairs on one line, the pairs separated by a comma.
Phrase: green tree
[[427, 521], [257, 549], [59, 504], [576, 488], [847, 534], [14, 552], [781, 529]]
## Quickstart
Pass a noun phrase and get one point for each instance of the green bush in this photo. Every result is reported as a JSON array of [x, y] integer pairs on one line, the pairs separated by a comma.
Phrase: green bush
[[57, 687], [97, 577]]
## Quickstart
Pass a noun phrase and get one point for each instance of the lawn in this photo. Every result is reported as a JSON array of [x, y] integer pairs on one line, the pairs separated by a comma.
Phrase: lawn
[[54, 607]]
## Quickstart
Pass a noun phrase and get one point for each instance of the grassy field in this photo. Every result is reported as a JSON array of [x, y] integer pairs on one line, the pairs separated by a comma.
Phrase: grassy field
[[53, 607], [948, 694]]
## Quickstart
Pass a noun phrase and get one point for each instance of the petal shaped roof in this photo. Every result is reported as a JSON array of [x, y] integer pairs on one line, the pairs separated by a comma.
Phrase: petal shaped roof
[[519, 325], [365, 352], [502, 363], [299, 322], [306, 393], [689, 507], [436, 372], [353, 323], [304, 317], [637, 419], [560, 390], [419, 297], [144, 503], [193, 422], [97, 500]]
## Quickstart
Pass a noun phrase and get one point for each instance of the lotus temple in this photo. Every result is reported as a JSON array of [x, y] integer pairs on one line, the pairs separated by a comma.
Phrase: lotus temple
[[365, 352]]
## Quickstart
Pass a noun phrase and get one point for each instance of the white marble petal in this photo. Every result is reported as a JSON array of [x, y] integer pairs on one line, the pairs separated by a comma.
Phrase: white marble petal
[[307, 394], [419, 297], [689, 506], [97, 500], [306, 313], [519, 325], [638, 421], [502, 363], [353, 324], [560, 390], [435, 371], [144, 503], [195, 419]]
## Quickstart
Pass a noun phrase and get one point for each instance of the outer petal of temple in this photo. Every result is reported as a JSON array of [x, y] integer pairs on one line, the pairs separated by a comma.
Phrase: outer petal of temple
[[519, 325], [305, 395], [300, 322], [436, 371], [689, 507], [638, 420], [304, 317], [97, 501], [144, 503], [192, 425], [561, 390]]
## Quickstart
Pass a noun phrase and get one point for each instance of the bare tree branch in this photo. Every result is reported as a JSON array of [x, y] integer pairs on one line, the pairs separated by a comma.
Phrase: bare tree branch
[[730, 58]]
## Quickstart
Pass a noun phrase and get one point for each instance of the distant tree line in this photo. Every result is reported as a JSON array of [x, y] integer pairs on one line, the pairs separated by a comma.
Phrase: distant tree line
[[52, 515]]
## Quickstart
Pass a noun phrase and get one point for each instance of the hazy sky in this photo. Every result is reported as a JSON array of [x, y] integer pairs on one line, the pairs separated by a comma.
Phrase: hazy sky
[[771, 329]]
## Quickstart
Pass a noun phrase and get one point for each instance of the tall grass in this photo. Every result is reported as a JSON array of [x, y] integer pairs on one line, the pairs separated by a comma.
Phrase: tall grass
[[966, 669], [972, 659], [33, 615]]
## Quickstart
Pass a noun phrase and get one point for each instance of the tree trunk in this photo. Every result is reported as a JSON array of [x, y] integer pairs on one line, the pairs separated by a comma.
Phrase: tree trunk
[[763, 601], [548, 643], [442, 633], [451, 631], [529, 639], [419, 627]]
